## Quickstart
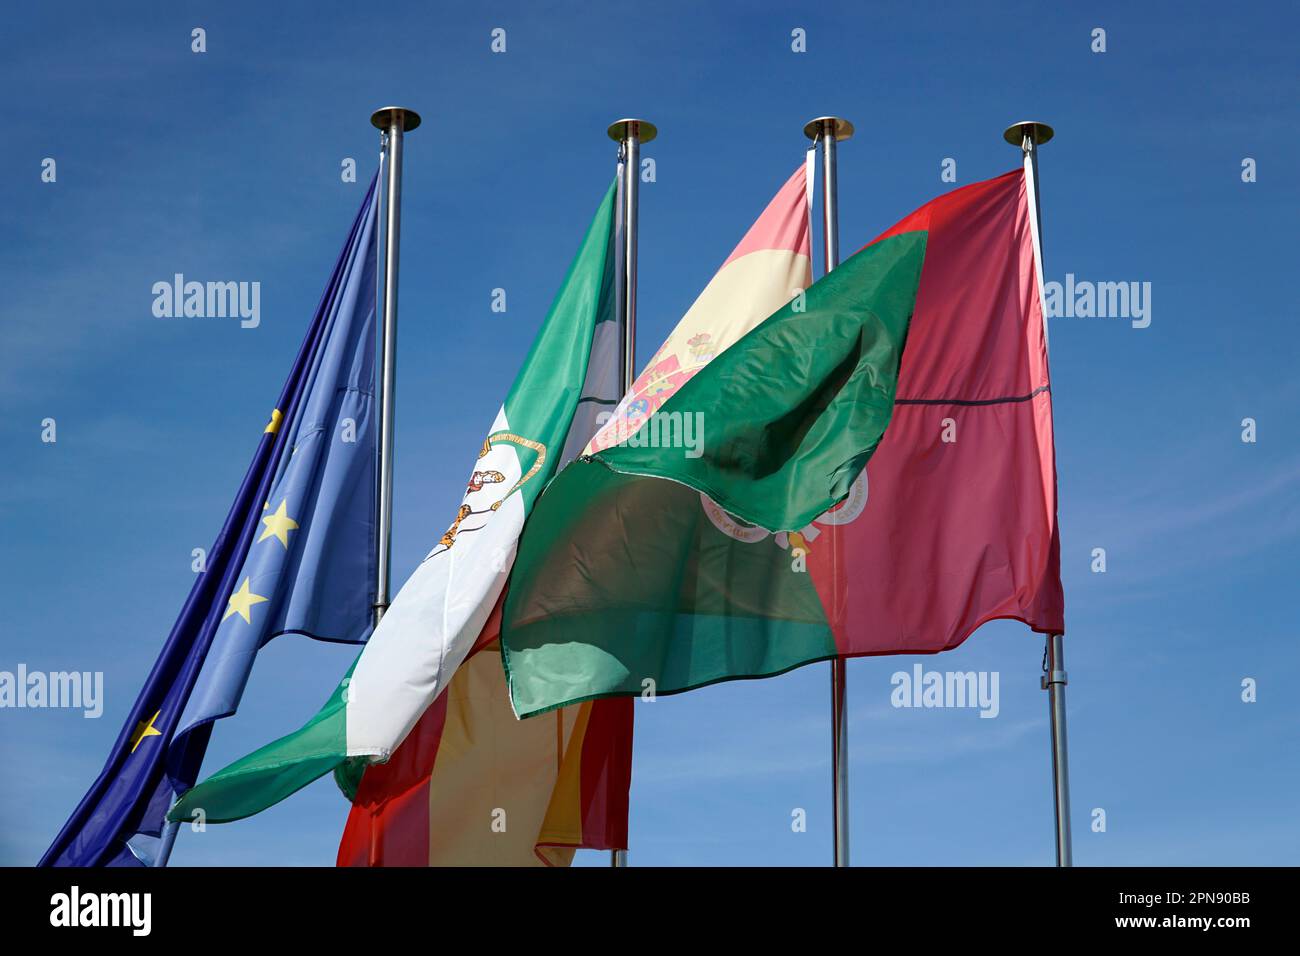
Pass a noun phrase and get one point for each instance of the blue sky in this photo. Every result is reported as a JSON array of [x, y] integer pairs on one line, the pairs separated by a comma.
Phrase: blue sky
[[225, 165]]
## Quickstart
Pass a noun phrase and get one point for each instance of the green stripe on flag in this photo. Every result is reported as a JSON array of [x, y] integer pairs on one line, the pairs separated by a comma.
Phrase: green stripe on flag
[[545, 394], [281, 768]]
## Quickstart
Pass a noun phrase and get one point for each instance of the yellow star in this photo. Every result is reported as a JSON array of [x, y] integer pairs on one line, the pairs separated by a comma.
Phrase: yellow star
[[241, 601], [143, 730], [273, 425], [279, 524]]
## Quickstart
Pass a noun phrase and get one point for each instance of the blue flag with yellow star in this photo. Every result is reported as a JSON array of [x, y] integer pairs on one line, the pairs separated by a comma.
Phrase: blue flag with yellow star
[[296, 555]]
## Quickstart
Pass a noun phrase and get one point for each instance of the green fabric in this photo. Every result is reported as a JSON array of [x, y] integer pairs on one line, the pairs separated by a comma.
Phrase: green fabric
[[622, 578], [643, 585], [792, 411], [281, 768]]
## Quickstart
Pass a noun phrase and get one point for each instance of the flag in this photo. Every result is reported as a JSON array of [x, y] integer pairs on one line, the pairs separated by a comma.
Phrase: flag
[[311, 567], [294, 555], [694, 586], [473, 786], [440, 612]]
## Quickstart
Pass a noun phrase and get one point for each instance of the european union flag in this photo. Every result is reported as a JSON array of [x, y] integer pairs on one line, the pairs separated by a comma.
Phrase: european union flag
[[296, 555]]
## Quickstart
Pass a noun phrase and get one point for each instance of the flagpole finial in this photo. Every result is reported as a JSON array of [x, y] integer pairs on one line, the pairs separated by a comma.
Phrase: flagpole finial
[[815, 127], [644, 130], [383, 117], [1015, 133]]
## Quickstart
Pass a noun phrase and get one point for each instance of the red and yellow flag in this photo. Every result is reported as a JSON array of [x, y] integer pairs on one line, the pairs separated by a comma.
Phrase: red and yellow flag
[[473, 786]]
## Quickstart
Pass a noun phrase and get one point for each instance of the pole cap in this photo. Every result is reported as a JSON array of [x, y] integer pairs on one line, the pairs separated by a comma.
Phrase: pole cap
[[843, 128], [382, 118], [1015, 133], [645, 131]]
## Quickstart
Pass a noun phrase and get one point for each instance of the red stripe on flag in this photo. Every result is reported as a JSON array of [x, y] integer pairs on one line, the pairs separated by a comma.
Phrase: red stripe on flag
[[607, 774], [389, 821]]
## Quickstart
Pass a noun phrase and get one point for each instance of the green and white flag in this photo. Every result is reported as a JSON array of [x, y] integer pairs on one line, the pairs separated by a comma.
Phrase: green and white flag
[[569, 377]]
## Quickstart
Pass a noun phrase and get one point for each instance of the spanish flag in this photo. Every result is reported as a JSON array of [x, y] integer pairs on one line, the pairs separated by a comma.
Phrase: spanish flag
[[474, 786]]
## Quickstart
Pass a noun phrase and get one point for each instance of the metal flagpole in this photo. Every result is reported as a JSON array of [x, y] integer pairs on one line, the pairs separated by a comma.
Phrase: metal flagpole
[[1054, 681], [168, 841], [394, 122], [629, 134], [1029, 136], [831, 130]]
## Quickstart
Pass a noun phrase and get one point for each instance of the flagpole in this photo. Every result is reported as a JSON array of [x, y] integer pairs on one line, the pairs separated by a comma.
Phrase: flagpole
[[831, 130], [1029, 136], [629, 133], [394, 122], [170, 829]]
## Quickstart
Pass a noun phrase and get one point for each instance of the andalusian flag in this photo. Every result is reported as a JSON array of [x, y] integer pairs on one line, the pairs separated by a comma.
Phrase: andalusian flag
[[728, 531], [471, 784], [439, 614]]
